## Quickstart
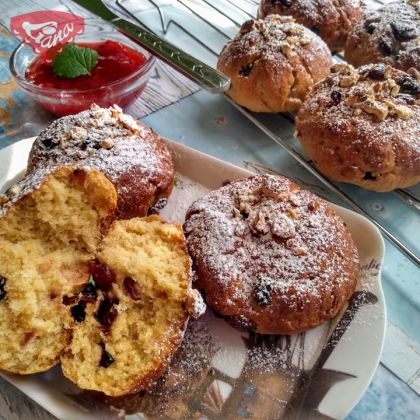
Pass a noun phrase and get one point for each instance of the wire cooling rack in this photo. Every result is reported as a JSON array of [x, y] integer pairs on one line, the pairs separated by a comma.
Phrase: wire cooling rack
[[202, 28]]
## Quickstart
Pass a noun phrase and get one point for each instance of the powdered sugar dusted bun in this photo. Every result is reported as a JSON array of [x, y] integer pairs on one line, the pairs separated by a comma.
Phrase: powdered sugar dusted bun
[[388, 35], [331, 20], [270, 255], [273, 63], [130, 154], [363, 126]]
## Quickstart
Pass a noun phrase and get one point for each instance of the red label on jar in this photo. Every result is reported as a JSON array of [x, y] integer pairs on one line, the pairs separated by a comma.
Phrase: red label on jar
[[45, 29]]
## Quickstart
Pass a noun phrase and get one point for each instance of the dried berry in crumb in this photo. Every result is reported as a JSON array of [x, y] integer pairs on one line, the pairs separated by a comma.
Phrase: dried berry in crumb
[[403, 30], [377, 72], [131, 288], [102, 274], [78, 312], [385, 45], [245, 71], [316, 30], [369, 177], [3, 292], [407, 98], [263, 291], [70, 300], [106, 358], [244, 214], [370, 29], [410, 85], [159, 205], [107, 313], [284, 3], [48, 143], [335, 98], [89, 292]]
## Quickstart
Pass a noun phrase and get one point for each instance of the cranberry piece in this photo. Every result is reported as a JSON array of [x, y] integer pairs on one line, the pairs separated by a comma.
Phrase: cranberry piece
[[107, 313], [102, 274], [70, 300], [131, 289], [106, 358], [88, 294], [3, 292], [78, 311]]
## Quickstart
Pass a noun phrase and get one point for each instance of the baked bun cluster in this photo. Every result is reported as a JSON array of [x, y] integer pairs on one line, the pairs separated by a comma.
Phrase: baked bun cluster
[[273, 63], [388, 35], [330, 19], [108, 298], [362, 126], [130, 154], [270, 256]]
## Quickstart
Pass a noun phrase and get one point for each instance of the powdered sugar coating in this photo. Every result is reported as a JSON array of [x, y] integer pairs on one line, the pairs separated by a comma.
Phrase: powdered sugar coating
[[265, 250], [390, 35], [330, 19], [363, 126], [22, 188], [273, 63], [274, 38], [127, 152]]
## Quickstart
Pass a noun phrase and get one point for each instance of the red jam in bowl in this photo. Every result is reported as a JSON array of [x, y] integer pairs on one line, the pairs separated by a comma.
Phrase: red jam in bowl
[[109, 82]]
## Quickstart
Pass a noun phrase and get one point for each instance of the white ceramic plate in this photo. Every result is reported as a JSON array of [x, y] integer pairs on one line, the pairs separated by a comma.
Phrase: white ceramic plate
[[219, 371]]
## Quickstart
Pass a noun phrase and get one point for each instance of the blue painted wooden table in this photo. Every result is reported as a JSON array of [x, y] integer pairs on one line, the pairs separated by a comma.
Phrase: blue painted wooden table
[[210, 124]]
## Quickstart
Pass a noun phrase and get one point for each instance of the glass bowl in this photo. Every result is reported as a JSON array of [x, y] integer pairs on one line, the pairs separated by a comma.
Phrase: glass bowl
[[121, 92]]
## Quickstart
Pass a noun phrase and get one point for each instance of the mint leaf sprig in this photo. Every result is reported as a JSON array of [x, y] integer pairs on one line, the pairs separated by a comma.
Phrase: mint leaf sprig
[[75, 61]]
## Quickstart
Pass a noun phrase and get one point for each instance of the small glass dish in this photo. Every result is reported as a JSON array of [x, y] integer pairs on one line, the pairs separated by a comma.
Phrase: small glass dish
[[121, 92]]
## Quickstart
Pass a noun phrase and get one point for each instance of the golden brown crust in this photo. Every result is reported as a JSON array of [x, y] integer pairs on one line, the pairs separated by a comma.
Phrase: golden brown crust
[[332, 20], [273, 256], [363, 127], [130, 154], [273, 63], [388, 35]]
